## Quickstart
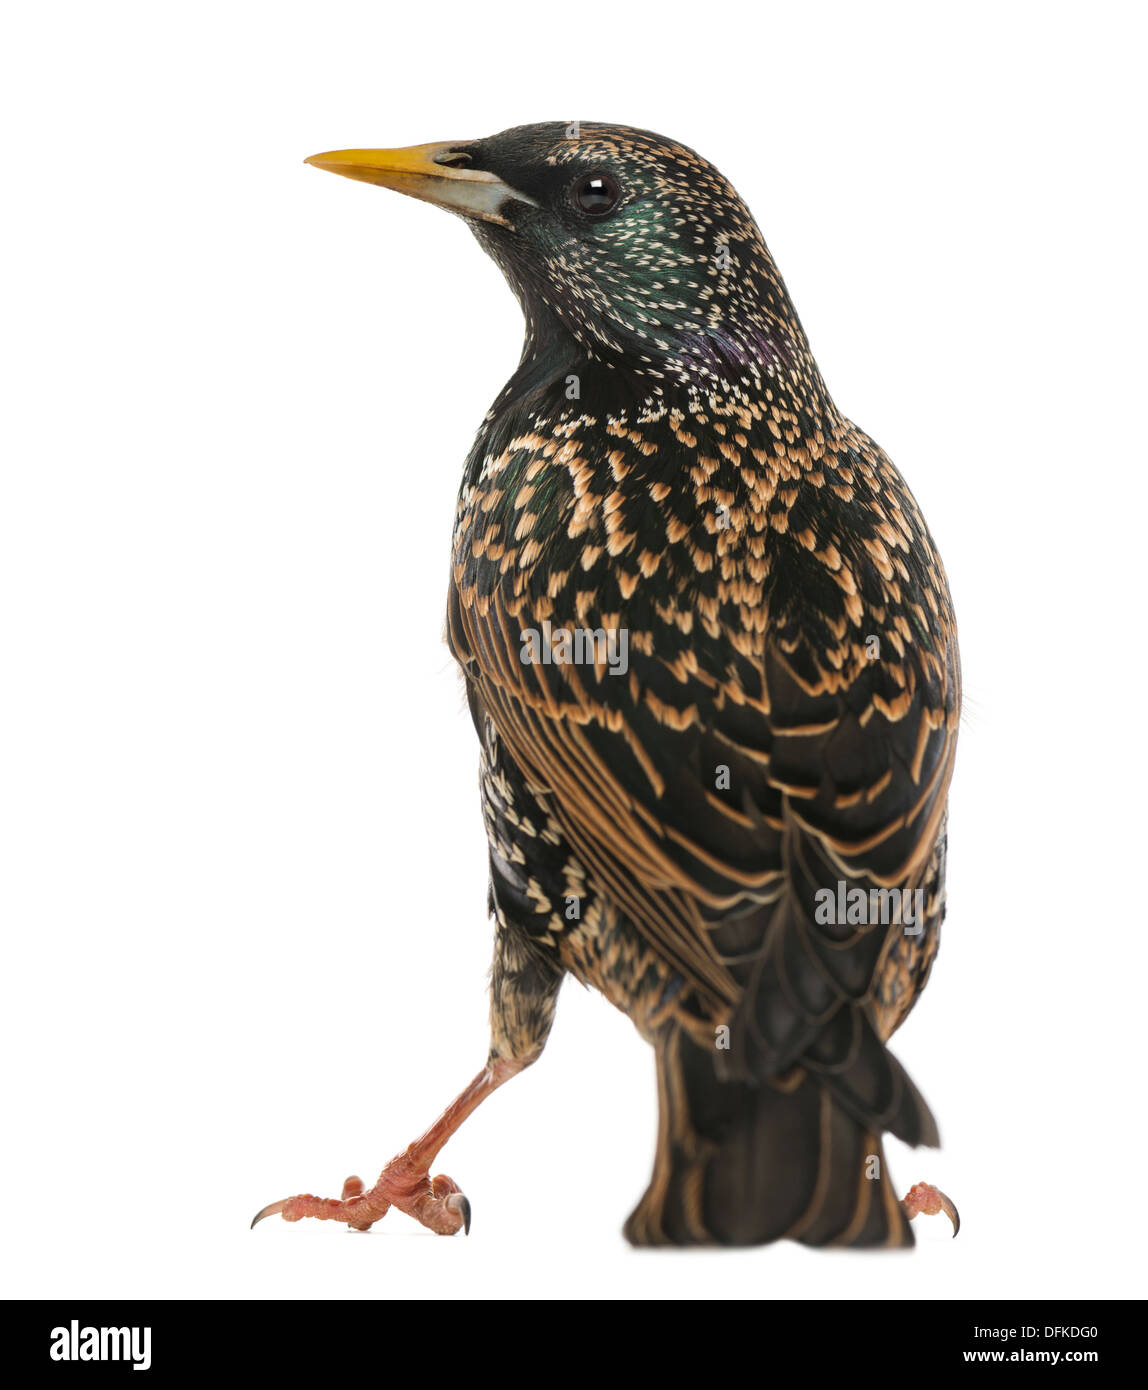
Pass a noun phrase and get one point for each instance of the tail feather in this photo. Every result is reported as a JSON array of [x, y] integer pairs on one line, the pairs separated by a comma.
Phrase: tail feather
[[743, 1164], [868, 1081]]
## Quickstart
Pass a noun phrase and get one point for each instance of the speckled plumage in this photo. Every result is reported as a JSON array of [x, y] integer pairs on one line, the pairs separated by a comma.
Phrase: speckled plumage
[[666, 461], [750, 644]]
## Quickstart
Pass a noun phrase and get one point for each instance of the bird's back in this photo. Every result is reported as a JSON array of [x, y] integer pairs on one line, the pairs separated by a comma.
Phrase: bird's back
[[676, 828]]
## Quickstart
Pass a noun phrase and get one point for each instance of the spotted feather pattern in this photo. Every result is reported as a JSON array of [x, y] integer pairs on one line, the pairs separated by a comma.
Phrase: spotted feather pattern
[[667, 463]]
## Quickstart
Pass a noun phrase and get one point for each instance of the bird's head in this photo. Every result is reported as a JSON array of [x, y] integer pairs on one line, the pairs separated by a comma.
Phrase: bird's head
[[627, 244]]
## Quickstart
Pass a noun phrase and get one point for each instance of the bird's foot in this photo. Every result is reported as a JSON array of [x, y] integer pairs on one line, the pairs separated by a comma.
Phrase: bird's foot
[[406, 1182], [924, 1198], [436, 1202]]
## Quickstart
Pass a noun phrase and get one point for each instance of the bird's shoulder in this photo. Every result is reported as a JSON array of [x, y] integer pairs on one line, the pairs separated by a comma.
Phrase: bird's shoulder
[[712, 534]]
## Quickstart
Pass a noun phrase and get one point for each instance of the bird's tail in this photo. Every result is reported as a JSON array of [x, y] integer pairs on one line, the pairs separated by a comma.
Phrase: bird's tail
[[742, 1164]]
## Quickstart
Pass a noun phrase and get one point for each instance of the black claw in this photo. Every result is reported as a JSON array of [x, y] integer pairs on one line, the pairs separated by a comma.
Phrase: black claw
[[466, 1215], [949, 1207], [269, 1210]]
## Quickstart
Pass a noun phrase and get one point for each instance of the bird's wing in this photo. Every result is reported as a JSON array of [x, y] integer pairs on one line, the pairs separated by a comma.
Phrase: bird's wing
[[719, 784]]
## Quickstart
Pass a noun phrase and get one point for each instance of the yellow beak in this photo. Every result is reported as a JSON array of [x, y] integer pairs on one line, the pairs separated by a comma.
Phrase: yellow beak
[[435, 173]]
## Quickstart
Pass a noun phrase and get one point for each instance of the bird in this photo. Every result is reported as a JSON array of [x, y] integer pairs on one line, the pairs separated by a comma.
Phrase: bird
[[711, 658]]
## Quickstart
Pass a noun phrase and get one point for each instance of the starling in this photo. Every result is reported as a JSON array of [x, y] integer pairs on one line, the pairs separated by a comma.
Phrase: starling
[[711, 658]]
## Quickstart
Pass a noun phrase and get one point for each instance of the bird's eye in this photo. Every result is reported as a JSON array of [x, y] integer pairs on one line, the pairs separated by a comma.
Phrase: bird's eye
[[595, 194]]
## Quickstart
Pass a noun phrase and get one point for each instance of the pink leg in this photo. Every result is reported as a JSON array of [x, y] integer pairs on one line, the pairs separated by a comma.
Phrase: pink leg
[[924, 1198], [406, 1182]]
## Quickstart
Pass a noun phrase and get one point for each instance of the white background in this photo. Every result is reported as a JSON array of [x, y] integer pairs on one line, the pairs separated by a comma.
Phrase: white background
[[244, 937]]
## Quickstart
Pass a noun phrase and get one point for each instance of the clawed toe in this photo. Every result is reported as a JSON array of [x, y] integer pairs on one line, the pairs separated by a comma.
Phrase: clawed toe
[[437, 1203], [441, 1207], [924, 1198]]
